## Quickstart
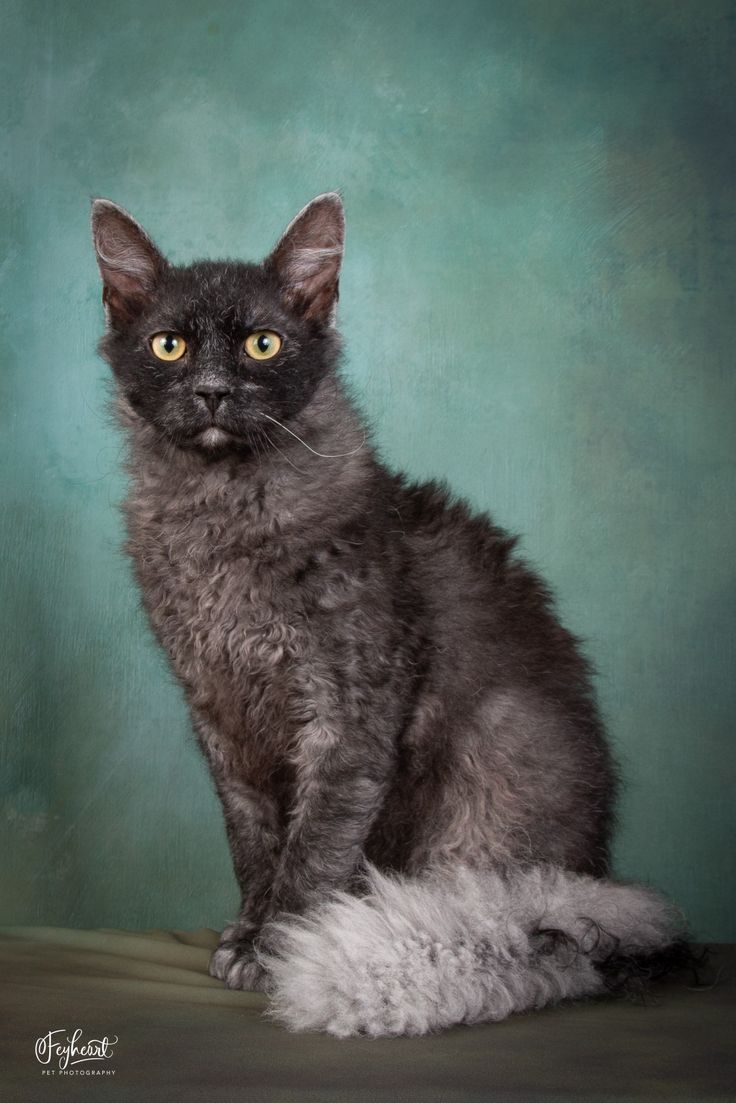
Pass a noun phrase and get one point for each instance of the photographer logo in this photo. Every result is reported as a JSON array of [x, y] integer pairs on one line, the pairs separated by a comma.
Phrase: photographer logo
[[64, 1054]]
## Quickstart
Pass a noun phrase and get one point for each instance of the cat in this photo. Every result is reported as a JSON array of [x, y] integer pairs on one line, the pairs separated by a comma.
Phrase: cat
[[417, 789]]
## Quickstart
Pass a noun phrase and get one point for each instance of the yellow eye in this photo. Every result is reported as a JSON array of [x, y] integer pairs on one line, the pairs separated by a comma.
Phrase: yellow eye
[[168, 346], [263, 344]]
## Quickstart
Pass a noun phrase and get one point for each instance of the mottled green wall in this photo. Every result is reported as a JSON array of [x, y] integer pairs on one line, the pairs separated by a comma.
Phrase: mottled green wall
[[537, 303]]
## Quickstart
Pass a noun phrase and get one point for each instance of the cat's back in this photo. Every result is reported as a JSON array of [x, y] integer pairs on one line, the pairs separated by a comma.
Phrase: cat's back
[[462, 552], [486, 603]]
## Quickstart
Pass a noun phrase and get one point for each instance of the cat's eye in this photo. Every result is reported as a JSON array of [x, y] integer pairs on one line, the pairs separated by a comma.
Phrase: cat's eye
[[263, 344], [168, 346]]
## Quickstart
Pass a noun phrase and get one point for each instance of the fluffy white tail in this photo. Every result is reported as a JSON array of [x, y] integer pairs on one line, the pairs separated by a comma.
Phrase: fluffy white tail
[[415, 955]]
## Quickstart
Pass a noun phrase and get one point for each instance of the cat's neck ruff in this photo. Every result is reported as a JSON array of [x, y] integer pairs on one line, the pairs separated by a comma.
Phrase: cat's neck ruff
[[280, 482]]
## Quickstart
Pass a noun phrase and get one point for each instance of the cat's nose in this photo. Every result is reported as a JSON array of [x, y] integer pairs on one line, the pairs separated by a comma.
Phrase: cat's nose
[[211, 394]]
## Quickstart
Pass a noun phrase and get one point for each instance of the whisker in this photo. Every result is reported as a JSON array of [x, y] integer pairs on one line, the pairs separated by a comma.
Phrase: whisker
[[283, 454], [322, 455]]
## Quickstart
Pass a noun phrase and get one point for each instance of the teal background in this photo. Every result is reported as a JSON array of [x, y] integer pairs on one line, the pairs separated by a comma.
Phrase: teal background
[[537, 304]]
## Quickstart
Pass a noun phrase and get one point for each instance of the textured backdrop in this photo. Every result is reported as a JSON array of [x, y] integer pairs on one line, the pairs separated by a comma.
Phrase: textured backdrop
[[538, 306]]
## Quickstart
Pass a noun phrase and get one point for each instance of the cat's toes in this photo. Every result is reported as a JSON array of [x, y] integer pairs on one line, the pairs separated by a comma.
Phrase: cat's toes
[[248, 976], [234, 963]]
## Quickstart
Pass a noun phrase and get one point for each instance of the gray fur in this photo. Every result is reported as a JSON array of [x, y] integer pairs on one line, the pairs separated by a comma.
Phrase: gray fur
[[456, 946], [373, 674]]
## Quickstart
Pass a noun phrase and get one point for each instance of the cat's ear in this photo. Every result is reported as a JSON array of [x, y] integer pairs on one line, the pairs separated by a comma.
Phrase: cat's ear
[[308, 256], [129, 262]]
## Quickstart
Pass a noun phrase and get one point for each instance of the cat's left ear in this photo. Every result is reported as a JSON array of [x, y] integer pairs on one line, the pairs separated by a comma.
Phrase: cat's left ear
[[129, 262], [308, 256]]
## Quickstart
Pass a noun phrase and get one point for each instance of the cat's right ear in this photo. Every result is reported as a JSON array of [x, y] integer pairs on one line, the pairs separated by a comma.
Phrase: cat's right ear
[[129, 262]]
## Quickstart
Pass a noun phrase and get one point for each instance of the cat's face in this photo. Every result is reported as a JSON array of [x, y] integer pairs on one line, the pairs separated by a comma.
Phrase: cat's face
[[208, 353]]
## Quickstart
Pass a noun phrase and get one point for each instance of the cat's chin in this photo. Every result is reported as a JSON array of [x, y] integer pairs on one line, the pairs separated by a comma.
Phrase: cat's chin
[[215, 439]]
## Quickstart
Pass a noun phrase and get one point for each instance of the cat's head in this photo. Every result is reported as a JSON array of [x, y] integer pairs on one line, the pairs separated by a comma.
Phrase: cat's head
[[206, 353]]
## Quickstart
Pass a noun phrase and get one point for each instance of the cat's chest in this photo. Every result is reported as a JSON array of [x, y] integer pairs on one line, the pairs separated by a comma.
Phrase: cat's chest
[[220, 602]]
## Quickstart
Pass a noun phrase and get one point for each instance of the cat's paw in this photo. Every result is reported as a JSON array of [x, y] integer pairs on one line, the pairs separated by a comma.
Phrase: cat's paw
[[234, 962]]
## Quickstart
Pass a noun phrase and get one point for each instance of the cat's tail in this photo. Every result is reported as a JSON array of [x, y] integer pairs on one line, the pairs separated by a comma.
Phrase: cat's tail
[[415, 955]]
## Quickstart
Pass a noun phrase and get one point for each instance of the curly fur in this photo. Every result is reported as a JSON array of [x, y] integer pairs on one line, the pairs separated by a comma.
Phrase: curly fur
[[457, 946]]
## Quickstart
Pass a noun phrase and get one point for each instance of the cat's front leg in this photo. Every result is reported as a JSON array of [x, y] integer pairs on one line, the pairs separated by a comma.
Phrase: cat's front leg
[[251, 821], [340, 786], [253, 833]]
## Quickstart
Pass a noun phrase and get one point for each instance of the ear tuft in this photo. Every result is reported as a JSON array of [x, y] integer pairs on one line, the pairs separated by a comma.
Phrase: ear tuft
[[308, 256], [129, 262]]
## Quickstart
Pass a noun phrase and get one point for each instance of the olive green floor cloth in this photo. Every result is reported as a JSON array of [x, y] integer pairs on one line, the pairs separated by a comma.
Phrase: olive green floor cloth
[[182, 1036]]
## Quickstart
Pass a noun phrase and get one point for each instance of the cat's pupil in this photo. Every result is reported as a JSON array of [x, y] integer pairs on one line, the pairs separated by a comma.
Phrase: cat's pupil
[[169, 343], [263, 343]]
